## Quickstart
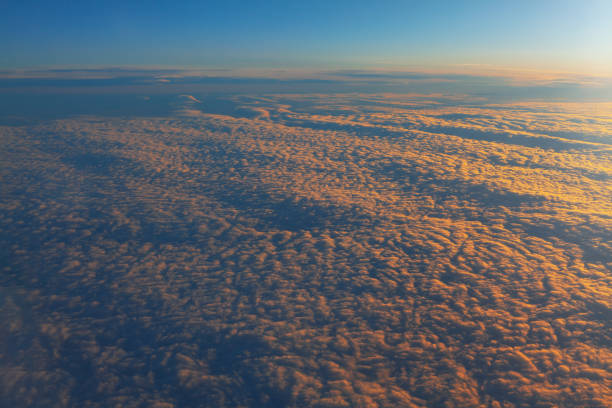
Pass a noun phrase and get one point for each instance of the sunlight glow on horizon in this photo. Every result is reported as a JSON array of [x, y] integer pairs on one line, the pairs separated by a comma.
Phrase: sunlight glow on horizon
[[566, 36]]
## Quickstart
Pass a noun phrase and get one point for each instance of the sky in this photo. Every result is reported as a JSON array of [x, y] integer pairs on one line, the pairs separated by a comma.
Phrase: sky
[[572, 36]]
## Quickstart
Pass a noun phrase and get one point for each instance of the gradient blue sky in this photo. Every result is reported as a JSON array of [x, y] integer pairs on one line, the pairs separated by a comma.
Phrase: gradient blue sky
[[557, 35]]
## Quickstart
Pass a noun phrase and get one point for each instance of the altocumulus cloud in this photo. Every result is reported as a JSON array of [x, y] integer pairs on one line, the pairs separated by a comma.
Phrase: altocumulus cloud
[[362, 250]]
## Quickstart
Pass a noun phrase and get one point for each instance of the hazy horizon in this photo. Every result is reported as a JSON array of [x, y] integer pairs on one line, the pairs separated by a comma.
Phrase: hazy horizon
[[567, 35]]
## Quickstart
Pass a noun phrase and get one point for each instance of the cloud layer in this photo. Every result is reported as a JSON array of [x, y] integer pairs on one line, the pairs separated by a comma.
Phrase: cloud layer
[[311, 250]]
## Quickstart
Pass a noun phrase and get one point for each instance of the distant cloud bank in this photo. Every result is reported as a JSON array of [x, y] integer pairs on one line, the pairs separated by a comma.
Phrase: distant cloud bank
[[489, 82]]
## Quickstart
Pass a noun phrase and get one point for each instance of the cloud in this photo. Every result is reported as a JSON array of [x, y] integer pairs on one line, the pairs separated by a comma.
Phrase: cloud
[[348, 250], [491, 83], [189, 98]]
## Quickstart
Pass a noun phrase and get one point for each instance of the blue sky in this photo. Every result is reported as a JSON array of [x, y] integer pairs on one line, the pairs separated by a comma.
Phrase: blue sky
[[560, 35]]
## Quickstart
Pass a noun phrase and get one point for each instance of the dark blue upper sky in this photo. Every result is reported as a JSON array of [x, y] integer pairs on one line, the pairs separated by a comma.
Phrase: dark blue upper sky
[[562, 35]]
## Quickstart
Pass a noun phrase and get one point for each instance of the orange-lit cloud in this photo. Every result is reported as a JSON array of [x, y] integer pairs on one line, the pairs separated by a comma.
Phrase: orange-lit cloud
[[339, 250]]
